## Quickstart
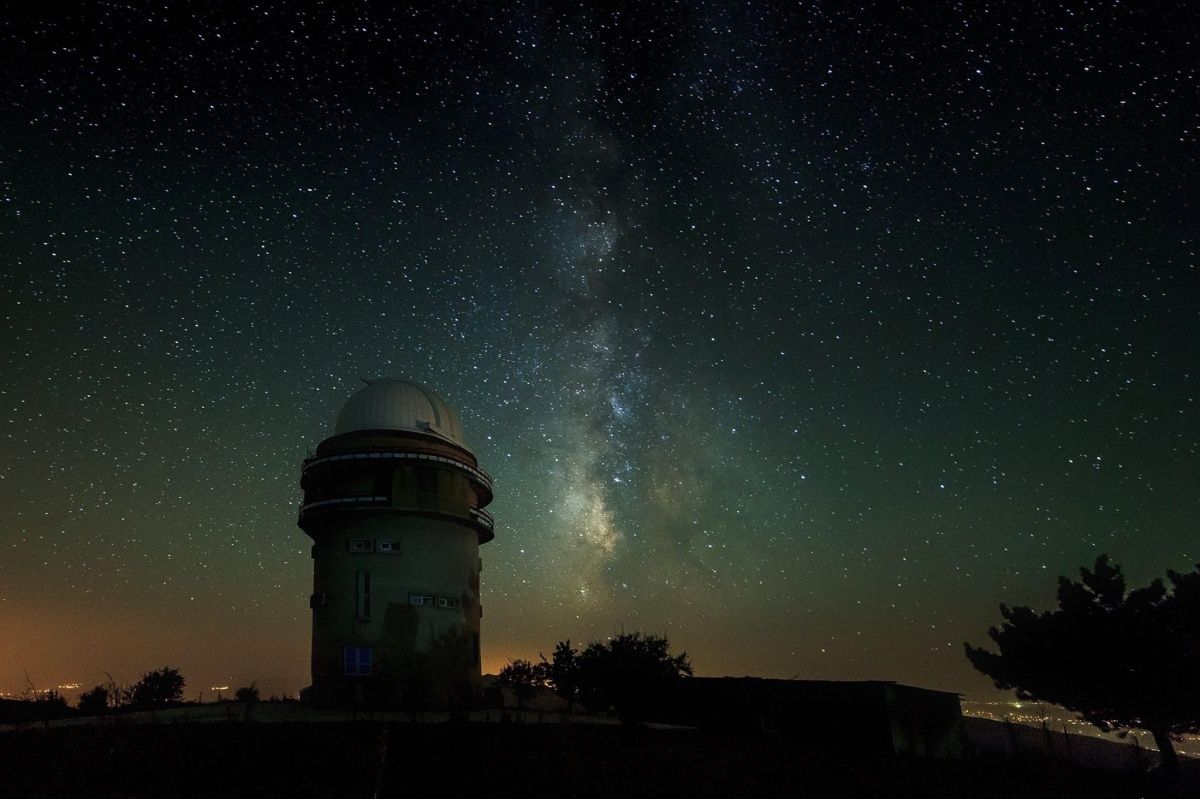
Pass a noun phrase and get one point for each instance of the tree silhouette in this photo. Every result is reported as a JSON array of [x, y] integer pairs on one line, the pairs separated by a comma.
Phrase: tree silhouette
[[522, 678], [157, 689], [562, 672], [1119, 658], [630, 673], [94, 702]]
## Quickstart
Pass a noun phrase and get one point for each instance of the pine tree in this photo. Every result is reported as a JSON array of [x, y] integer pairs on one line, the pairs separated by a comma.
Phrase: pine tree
[[1119, 658]]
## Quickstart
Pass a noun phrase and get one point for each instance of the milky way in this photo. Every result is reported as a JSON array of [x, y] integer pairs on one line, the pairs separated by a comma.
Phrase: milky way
[[803, 333]]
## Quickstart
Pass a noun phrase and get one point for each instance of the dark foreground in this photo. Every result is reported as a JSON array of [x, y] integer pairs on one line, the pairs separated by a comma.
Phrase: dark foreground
[[484, 760]]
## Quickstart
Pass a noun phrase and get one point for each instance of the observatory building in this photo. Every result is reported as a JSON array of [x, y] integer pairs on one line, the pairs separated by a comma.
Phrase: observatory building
[[394, 503]]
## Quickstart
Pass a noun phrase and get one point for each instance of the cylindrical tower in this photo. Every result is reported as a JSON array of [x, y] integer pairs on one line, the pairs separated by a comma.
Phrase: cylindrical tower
[[394, 503]]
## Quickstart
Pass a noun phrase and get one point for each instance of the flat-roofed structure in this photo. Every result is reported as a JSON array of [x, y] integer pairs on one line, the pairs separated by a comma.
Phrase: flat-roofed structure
[[874, 717]]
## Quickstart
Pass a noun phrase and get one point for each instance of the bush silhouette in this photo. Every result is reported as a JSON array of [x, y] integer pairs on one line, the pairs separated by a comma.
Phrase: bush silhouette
[[1118, 658], [562, 672], [522, 678], [157, 689], [630, 673], [94, 702], [248, 697], [50, 705]]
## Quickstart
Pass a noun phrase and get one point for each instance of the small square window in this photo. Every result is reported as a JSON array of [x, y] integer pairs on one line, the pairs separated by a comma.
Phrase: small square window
[[360, 545], [447, 602], [390, 547], [420, 599], [357, 661]]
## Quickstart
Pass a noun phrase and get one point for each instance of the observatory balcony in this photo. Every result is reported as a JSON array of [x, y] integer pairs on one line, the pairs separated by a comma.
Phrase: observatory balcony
[[342, 503], [485, 519], [483, 522], [478, 476]]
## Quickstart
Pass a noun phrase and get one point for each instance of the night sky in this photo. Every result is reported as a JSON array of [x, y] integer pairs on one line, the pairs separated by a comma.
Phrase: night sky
[[803, 334]]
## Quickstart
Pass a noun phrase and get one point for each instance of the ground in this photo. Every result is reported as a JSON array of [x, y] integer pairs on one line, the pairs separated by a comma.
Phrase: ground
[[343, 759]]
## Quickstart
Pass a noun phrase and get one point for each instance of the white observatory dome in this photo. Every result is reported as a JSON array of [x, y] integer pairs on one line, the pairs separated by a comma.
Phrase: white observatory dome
[[393, 403]]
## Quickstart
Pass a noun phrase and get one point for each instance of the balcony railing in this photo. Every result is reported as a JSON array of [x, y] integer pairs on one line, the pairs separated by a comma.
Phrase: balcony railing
[[478, 474], [484, 518], [340, 502]]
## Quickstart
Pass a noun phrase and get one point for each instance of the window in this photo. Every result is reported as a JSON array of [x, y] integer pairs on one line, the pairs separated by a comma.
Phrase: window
[[360, 545], [363, 592], [357, 661], [390, 547], [447, 602], [420, 599]]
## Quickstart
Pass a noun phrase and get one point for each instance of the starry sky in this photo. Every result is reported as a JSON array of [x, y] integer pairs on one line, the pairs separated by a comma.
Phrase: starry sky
[[803, 333]]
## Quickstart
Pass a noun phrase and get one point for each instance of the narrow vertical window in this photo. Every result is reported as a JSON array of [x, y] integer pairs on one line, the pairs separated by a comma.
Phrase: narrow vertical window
[[363, 592]]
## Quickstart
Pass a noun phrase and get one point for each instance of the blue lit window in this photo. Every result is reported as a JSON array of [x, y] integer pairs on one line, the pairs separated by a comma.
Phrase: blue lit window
[[357, 660]]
